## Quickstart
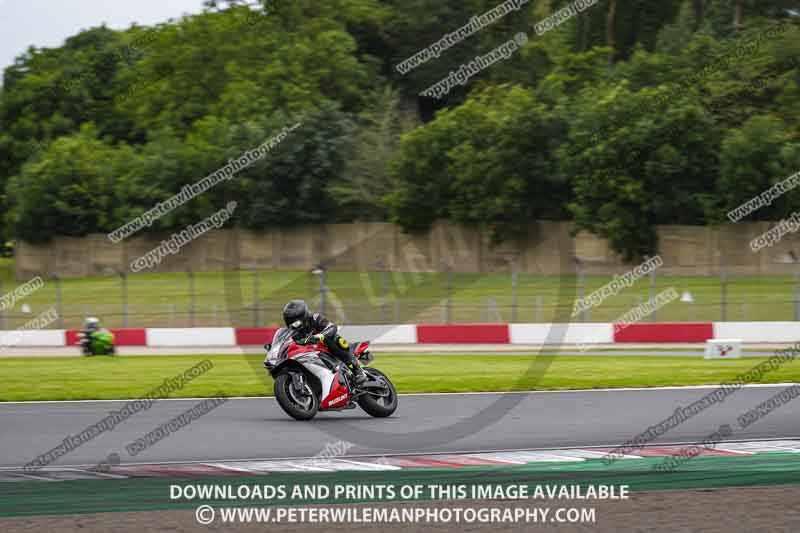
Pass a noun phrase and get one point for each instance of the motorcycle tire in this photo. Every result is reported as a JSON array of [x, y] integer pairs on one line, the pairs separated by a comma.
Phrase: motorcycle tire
[[380, 407], [284, 396]]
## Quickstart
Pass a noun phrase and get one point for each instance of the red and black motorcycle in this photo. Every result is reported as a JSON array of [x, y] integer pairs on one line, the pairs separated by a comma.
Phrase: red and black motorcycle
[[308, 379]]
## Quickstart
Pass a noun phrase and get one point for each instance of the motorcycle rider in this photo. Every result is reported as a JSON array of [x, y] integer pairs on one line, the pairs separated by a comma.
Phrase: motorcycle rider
[[297, 317], [90, 326]]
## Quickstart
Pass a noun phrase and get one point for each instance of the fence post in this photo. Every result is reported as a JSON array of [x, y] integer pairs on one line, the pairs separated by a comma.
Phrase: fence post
[[256, 299], [59, 310], [323, 289], [191, 297], [538, 311], [384, 294], [724, 295], [124, 277], [449, 302], [514, 280], [653, 294], [2, 313], [581, 290], [492, 311]]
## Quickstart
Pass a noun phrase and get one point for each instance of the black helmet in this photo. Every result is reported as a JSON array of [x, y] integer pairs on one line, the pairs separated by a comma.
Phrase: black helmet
[[296, 314]]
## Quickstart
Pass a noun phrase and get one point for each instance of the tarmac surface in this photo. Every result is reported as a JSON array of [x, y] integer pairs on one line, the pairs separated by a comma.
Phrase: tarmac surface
[[256, 428]]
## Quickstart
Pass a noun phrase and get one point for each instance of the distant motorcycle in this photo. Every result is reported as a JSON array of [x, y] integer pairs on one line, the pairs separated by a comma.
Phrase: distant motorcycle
[[308, 379], [100, 342]]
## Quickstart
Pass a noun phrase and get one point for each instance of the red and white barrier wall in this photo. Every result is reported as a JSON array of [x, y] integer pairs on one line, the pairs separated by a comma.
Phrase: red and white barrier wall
[[579, 333]]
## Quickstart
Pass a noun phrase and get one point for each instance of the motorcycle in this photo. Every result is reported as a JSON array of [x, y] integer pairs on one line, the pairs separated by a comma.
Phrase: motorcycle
[[309, 379], [99, 342]]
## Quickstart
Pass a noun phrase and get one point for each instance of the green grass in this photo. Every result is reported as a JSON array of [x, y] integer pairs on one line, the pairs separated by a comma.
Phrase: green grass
[[164, 299], [60, 378]]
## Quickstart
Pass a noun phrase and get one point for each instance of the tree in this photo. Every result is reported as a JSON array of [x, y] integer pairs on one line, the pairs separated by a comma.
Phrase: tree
[[362, 191], [752, 159], [611, 36], [490, 163], [69, 187], [649, 166]]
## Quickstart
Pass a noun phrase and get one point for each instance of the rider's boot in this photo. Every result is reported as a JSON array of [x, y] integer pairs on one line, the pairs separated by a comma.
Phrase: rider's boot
[[358, 373]]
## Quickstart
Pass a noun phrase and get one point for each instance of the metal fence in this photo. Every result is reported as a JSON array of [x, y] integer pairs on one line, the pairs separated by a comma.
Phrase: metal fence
[[254, 298]]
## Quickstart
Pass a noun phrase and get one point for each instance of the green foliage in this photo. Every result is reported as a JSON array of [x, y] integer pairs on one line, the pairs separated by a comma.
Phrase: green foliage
[[683, 118], [649, 167], [70, 186], [754, 158], [492, 162], [362, 191]]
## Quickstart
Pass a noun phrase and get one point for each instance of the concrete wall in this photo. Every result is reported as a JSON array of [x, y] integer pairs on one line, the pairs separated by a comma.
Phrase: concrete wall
[[686, 250]]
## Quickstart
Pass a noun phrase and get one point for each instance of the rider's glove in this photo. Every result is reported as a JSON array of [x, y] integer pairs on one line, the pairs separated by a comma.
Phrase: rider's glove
[[319, 337]]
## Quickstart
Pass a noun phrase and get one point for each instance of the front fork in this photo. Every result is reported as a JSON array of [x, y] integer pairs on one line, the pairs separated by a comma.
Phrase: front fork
[[298, 382]]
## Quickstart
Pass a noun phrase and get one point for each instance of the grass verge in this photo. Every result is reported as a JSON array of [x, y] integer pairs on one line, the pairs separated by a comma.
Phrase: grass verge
[[106, 378]]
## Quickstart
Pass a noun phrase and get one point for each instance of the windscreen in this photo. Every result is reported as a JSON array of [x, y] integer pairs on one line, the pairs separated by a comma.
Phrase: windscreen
[[281, 337]]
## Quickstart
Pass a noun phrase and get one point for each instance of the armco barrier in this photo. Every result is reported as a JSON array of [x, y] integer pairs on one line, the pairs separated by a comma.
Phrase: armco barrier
[[254, 336], [530, 334], [669, 332], [463, 334], [758, 331], [122, 337], [191, 337], [593, 333], [46, 337]]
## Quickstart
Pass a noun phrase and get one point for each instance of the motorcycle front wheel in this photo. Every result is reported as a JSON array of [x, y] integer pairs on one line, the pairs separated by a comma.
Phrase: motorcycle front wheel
[[379, 402], [300, 405]]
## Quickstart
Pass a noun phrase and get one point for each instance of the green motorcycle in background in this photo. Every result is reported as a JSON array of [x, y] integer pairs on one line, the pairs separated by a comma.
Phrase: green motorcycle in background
[[95, 340]]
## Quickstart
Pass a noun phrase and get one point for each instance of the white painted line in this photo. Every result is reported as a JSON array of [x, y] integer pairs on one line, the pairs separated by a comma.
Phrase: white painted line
[[525, 457], [790, 446], [346, 465], [244, 462], [588, 454], [31, 476], [263, 465], [485, 393], [105, 474], [231, 466]]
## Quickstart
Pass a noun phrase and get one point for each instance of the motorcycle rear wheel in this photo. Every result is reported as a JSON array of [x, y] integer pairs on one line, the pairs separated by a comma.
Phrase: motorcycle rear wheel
[[379, 407], [298, 409]]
